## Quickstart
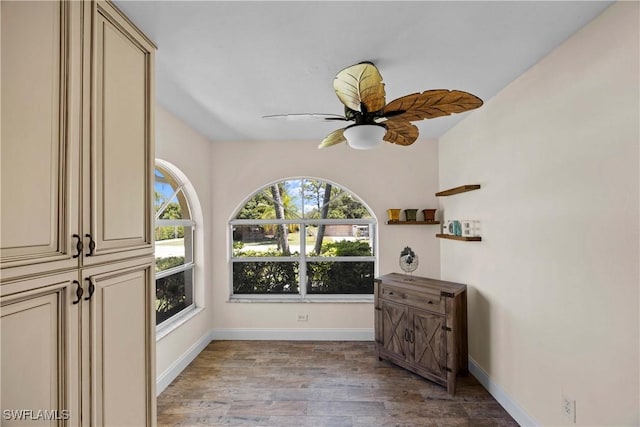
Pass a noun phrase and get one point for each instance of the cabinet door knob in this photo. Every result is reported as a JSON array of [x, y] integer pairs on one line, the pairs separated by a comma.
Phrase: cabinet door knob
[[79, 292], [92, 244], [79, 246], [91, 288]]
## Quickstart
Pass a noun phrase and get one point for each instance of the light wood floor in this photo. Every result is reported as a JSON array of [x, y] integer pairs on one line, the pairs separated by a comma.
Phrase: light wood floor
[[293, 383]]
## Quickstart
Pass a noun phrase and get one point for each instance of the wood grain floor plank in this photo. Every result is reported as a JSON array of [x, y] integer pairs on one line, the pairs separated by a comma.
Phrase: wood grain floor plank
[[297, 383]]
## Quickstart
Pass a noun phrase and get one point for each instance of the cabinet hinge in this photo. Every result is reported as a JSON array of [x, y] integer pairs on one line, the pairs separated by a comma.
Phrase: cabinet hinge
[[447, 294], [444, 368], [446, 328], [378, 342], [378, 308]]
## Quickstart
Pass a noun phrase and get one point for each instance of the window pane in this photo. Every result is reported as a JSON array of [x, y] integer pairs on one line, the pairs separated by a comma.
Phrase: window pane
[[339, 240], [169, 199], [266, 240], [340, 277], [278, 201], [174, 246], [268, 277], [316, 196], [177, 208], [323, 200], [174, 293], [162, 189]]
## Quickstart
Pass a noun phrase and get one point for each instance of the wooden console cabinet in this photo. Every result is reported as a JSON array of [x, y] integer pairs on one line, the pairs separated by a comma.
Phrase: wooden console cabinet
[[421, 325]]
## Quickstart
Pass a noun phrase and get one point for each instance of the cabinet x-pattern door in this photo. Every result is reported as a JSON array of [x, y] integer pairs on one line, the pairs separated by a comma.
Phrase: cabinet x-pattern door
[[429, 343], [394, 328]]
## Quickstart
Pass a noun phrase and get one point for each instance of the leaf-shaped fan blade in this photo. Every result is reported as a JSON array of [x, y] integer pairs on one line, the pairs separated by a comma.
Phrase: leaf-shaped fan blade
[[335, 137], [360, 87], [430, 104], [401, 133], [307, 117]]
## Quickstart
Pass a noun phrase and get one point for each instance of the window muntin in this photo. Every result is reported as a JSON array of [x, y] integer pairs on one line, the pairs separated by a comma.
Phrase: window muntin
[[339, 239], [326, 277], [303, 238], [266, 277], [173, 294], [174, 242], [263, 239]]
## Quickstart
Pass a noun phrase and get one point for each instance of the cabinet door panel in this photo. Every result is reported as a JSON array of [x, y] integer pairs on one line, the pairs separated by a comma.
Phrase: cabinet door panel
[[394, 328], [39, 43], [429, 342], [122, 143], [121, 340], [40, 359]]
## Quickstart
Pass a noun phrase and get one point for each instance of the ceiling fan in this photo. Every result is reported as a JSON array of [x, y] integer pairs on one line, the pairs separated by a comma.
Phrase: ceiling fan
[[360, 88]]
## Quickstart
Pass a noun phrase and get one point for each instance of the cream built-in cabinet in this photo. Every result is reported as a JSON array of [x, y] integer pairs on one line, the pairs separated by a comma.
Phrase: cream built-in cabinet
[[118, 328], [40, 347], [118, 197], [41, 91], [76, 248]]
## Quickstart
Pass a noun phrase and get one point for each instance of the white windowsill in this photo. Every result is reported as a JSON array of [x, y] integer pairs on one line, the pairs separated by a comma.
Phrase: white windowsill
[[361, 300], [179, 320]]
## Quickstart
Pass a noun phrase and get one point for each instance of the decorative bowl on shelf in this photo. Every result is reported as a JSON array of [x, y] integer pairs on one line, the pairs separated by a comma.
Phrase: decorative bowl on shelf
[[394, 215]]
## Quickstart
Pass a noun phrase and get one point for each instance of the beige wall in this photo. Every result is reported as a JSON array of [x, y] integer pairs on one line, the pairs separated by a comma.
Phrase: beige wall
[[388, 177], [553, 301], [190, 152], [225, 174]]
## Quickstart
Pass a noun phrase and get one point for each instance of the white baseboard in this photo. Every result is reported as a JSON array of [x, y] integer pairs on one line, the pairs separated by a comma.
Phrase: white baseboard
[[365, 334], [511, 406], [172, 372]]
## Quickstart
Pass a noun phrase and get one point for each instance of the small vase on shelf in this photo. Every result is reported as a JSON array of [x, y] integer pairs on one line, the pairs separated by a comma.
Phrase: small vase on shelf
[[429, 214], [410, 214], [394, 215]]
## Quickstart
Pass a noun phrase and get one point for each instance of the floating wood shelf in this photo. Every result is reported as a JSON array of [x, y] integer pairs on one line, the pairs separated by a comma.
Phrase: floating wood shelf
[[458, 190], [413, 222], [463, 238]]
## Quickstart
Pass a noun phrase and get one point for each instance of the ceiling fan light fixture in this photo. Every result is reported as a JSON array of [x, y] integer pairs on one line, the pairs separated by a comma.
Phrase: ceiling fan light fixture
[[364, 137]]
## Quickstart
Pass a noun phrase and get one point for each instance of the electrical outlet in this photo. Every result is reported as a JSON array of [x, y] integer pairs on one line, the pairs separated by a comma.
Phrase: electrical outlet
[[569, 408], [303, 317]]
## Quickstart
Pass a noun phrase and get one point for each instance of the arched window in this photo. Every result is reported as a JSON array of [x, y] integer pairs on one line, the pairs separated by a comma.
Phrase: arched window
[[302, 238], [174, 238]]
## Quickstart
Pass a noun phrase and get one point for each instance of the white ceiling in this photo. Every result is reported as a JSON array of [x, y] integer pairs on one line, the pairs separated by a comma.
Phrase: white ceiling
[[222, 65]]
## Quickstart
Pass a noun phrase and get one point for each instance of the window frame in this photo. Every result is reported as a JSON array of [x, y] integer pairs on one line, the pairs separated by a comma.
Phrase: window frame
[[180, 192], [303, 258]]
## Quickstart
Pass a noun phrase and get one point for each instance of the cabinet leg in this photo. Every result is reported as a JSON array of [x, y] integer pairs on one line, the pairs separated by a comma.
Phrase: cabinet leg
[[451, 387]]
